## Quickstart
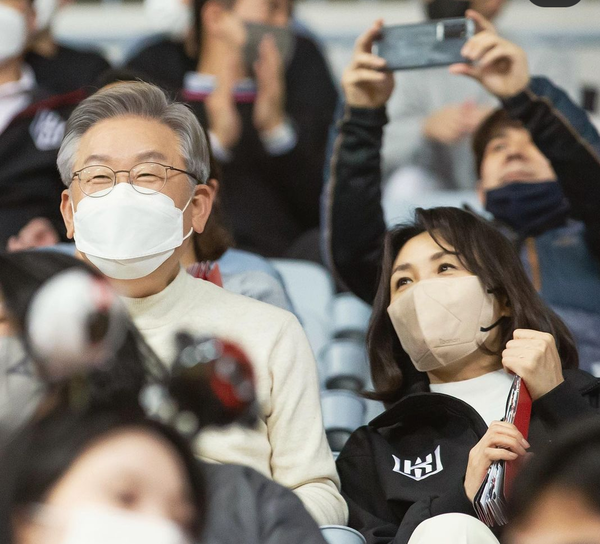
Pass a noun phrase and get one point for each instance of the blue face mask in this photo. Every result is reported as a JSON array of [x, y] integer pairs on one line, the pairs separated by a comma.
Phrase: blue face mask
[[529, 208]]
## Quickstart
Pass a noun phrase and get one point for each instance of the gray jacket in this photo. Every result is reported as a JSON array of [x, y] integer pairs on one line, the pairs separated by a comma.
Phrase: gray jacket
[[245, 506]]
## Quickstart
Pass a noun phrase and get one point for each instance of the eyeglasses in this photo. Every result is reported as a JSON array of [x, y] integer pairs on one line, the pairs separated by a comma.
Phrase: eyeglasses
[[147, 178]]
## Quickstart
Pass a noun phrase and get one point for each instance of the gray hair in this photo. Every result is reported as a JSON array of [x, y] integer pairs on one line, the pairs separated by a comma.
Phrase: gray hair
[[144, 100]]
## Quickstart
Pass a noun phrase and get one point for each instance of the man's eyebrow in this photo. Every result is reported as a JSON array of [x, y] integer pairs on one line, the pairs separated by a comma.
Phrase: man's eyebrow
[[96, 159], [150, 155]]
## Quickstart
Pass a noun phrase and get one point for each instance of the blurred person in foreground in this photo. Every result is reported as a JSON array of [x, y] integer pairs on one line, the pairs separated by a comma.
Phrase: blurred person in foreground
[[434, 114], [267, 104], [31, 129], [136, 166], [240, 504], [58, 68], [100, 476], [556, 499], [539, 167]]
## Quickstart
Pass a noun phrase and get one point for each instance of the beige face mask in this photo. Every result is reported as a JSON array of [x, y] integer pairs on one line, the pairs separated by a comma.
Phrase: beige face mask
[[440, 321]]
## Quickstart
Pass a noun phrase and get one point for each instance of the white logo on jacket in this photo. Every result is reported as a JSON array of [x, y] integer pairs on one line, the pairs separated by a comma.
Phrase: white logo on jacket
[[420, 469], [47, 130]]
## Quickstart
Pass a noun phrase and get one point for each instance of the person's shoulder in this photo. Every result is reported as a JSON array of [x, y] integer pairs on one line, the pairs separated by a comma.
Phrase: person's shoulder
[[43, 100], [242, 306], [155, 48]]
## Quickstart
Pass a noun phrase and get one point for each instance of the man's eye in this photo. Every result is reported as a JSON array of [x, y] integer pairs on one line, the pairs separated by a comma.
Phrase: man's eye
[[100, 178], [498, 147]]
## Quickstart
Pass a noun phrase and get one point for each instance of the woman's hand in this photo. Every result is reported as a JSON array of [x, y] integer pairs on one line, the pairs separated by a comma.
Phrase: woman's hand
[[499, 65], [502, 441], [533, 356], [366, 83]]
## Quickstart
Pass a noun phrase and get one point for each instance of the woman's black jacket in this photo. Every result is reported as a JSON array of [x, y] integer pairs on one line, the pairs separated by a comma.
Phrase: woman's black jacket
[[409, 463]]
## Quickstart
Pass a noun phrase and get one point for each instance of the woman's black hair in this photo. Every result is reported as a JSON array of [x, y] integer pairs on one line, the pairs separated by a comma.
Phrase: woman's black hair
[[23, 273], [569, 463], [485, 252], [41, 454]]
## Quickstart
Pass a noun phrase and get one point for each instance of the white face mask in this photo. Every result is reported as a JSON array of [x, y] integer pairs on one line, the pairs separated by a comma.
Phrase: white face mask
[[20, 386], [128, 235], [44, 13], [13, 33], [103, 525], [441, 321], [173, 17]]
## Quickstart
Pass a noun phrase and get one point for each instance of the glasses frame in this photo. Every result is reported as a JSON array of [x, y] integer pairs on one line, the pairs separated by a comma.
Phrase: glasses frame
[[128, 172]]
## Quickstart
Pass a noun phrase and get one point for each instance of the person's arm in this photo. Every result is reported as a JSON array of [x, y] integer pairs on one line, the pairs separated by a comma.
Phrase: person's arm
[[300, 456], [370, 512], [565, 135], [354, 225], [559, 128]]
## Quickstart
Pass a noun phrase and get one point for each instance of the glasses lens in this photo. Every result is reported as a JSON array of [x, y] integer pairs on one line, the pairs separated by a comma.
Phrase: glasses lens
[[95, 179], [148, 177]]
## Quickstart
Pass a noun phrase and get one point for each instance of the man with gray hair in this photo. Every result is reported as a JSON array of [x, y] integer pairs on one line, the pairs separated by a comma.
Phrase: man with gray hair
[[136, 167]]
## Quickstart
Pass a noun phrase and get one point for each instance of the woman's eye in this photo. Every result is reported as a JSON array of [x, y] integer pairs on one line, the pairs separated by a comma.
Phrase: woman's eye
[[444, 267], [402, 281]]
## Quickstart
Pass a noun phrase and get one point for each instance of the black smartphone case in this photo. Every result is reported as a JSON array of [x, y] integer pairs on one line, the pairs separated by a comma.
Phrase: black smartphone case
[[425, 45]]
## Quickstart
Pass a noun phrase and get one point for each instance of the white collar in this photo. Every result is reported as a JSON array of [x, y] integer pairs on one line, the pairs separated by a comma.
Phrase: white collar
[[24, 84]]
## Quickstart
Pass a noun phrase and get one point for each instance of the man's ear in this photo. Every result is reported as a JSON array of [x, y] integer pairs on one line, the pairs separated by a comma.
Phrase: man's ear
[[201, 205], [66, 210]]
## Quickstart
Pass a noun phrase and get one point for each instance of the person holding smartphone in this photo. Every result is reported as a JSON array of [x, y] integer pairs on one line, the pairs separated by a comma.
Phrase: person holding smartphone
[[539, 165]]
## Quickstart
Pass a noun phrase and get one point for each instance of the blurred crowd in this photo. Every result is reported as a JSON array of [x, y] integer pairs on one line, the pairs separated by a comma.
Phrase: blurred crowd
[[175, 231]]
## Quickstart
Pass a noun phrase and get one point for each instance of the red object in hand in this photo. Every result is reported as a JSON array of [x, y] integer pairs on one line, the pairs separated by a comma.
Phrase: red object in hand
[[522, 419]]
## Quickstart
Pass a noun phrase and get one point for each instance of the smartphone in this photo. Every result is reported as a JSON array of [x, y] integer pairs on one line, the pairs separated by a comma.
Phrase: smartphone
[[285, 42], [424, 45]]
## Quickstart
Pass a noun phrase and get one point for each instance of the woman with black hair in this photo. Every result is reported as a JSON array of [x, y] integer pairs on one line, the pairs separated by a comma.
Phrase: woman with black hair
[[101, 475], [454, 317]]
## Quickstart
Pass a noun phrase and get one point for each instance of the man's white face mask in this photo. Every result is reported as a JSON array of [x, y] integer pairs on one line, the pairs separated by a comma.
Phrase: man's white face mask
[[173, 17], [128, 235], [103, 525], [44, 13], [441, 321], [13, 33]]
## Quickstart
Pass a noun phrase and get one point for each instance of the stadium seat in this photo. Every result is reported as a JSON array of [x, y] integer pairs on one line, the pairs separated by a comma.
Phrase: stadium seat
[[343, 412], [338, 534], [350, 317], [343, 365]]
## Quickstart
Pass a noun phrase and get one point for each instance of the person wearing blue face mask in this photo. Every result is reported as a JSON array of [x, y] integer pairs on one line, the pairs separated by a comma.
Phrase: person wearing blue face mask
[[538, 162]]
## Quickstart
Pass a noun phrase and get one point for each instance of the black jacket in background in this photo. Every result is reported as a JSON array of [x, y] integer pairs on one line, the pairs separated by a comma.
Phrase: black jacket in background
[[270, 201], [386, 506], [68, 70], [30, 185]]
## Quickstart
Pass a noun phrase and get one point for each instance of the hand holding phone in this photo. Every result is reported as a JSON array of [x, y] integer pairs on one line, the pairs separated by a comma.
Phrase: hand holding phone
[[499, 65], [366, 82]]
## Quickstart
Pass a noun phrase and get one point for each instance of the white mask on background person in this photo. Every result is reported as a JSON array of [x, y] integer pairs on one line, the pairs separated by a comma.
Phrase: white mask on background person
[[104, 525], [21, 389], [440, 321], [44, 13], [173, 17], [13, 32], [127, 235]]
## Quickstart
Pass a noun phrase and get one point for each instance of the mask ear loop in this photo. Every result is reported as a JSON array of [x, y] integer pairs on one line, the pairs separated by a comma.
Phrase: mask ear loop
[[183, 211]]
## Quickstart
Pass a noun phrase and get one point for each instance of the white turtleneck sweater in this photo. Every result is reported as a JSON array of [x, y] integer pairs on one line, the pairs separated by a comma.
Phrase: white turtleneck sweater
[[289, 444]]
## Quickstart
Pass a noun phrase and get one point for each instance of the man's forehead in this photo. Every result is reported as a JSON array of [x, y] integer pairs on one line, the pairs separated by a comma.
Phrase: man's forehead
[[128, 138]]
